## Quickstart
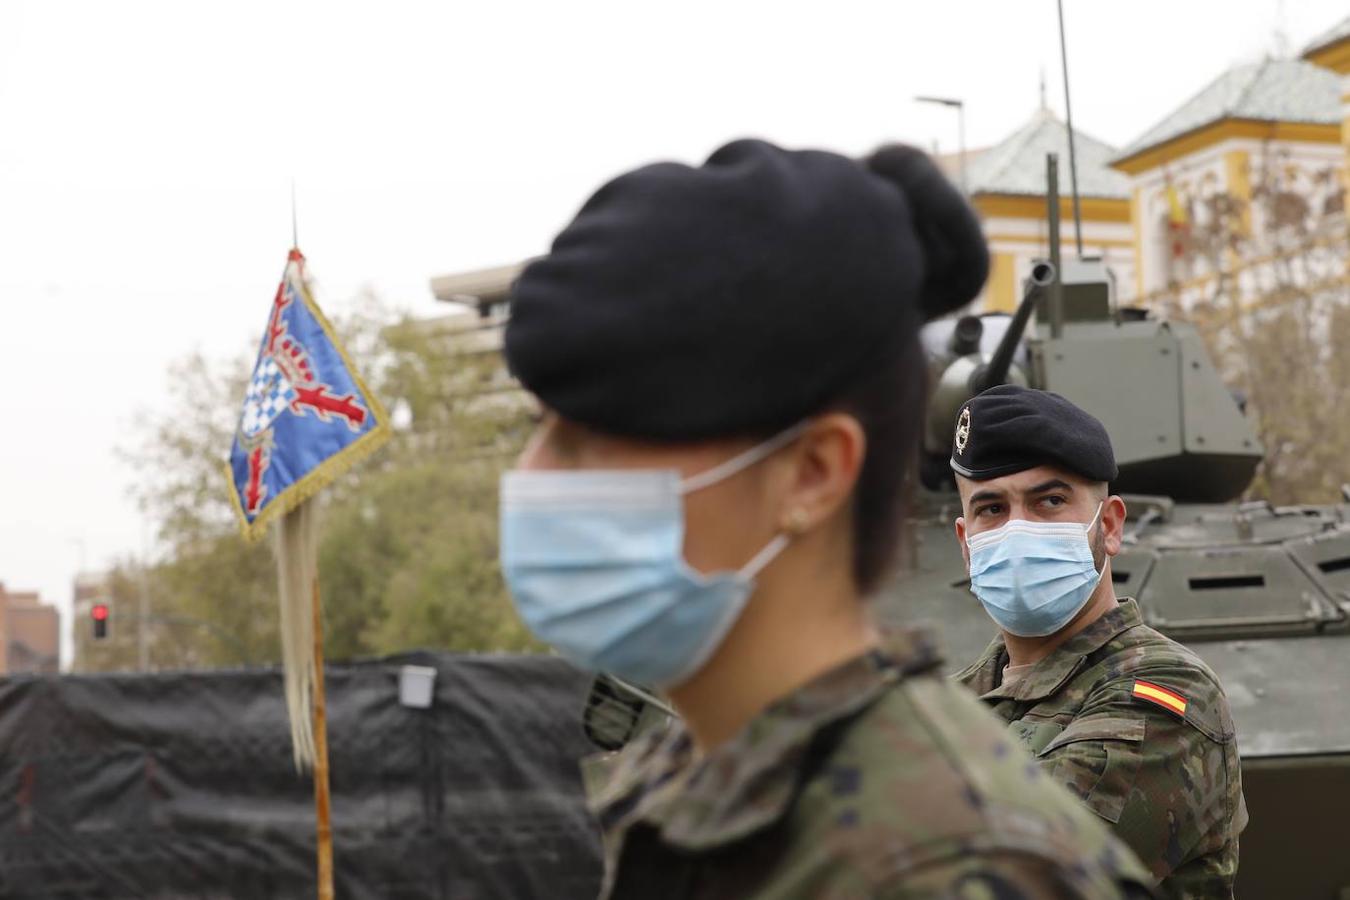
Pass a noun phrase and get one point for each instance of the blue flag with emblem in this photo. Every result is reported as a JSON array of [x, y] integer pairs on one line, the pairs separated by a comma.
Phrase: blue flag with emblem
[[307, 414]]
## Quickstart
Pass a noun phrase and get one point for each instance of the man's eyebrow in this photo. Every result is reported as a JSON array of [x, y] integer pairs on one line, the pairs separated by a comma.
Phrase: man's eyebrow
[[1054, 484], [982, 496]]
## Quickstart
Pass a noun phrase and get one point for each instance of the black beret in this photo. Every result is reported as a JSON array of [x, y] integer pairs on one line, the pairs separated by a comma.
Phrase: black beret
[[1010, 429], [741, 295]]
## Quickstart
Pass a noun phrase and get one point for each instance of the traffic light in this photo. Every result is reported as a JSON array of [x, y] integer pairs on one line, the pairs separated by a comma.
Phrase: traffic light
[[99, 613]]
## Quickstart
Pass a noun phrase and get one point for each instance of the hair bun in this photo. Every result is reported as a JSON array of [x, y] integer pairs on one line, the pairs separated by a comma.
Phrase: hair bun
[[955, 254]]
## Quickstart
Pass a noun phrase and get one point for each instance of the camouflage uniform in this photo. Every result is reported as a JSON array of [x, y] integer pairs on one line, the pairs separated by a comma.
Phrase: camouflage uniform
[[1169, 782], [878, 779]]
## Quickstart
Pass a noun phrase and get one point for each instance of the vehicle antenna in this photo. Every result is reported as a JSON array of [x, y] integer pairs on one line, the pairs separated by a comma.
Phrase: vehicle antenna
[[1068, 115]]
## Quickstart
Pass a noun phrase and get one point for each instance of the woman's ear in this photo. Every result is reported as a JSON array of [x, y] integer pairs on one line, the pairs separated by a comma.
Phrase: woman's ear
[[822, 468]]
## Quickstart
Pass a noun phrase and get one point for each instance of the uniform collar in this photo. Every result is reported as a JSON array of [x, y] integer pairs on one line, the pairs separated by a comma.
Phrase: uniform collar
[[984, 675], [751, 781]]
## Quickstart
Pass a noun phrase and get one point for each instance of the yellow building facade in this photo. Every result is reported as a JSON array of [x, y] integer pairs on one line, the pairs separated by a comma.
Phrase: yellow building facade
[[1254, 163], [1007, 187], [1214, 194], [1241, 173], [1331, 51]]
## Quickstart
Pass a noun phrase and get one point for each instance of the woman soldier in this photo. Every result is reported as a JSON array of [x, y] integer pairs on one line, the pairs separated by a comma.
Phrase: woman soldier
[[728, 361]]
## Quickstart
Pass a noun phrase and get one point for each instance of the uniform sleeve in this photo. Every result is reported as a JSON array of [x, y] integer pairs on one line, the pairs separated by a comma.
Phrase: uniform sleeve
[[1163, 781], [1012, 876]]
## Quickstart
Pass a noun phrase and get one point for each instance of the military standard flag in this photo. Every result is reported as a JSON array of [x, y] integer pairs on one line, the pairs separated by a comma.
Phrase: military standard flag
[[307, 415]]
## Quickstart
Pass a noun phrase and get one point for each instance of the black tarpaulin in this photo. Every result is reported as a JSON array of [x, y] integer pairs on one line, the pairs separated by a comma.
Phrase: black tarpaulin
[[182, 785]]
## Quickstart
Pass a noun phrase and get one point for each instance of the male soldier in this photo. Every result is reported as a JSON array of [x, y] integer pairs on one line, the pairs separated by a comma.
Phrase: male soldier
[[1130, 721], [728, 363]]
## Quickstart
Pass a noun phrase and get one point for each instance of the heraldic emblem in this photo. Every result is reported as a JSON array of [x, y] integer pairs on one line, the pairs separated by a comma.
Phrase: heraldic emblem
[[963, 430], [307, 415]]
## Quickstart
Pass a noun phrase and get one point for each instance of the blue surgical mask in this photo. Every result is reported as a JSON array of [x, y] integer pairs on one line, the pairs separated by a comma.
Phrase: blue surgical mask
[[594, 560], [1034, 577]]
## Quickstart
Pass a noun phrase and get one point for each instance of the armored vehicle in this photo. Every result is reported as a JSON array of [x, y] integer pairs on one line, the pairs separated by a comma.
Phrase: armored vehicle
[[1261, 593]]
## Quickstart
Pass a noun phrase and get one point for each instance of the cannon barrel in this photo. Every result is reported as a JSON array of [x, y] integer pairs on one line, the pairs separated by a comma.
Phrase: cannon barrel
[[1042, 279], [966, 336]]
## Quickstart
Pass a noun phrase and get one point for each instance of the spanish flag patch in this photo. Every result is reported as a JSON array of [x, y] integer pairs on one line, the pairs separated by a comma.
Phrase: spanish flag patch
[[1169, 700]]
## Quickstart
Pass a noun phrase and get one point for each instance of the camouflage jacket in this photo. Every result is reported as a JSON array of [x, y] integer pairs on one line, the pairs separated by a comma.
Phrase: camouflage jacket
[[1139, 728], [879, 779]]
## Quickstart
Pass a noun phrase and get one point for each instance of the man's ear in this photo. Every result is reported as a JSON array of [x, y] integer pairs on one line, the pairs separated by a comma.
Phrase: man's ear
[[961, 539], [1113, 524]]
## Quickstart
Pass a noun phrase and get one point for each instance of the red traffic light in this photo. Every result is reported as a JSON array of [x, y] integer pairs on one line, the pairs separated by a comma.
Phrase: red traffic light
[[98, 614]]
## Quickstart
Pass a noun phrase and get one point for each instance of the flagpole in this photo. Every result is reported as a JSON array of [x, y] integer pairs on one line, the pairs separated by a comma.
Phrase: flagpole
[[295, 227], [322, 806]]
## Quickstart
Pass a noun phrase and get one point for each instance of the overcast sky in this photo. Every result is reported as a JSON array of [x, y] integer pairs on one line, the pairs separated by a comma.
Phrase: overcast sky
[[147, 150]]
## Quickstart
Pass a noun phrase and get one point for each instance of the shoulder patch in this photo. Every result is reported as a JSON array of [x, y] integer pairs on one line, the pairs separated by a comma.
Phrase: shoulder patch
[[1161, 696]]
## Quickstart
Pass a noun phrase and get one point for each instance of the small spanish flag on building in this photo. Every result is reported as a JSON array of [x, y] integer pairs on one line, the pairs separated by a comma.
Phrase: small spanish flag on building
[[1169, 700], [1177, 216]]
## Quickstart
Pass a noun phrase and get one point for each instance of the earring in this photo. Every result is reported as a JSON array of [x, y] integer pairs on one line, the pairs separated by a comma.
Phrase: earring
[[797, 520]]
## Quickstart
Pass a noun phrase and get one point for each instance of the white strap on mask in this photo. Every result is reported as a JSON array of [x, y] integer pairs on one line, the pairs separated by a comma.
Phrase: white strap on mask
[[764, 557], [739, 463], [742, 461]]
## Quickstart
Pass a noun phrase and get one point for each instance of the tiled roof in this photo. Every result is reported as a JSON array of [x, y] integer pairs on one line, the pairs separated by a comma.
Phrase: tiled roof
[[1335, 35], [1276, 90], [1017, 164]]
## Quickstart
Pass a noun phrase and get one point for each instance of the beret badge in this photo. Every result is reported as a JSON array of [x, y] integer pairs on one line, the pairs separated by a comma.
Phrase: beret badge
[[963, 431]]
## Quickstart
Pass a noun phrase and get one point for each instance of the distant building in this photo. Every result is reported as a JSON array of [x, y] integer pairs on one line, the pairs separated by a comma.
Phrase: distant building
[[483, 290], [1220, 188], [474, 334], [478, 412], [1256, 153], [30, 634], [1007, 187], [1211, 196], [1331, 51]]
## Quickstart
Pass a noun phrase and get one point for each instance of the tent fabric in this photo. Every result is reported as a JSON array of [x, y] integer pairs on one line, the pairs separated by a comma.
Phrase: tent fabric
[[182, 785]]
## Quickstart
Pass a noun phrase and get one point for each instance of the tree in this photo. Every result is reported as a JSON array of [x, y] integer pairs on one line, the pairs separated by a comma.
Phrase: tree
[[1265, 281], [407, 552]]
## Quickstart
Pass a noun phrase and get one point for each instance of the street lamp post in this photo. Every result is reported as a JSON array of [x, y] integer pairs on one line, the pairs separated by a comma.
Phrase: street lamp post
[[960, 108]]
